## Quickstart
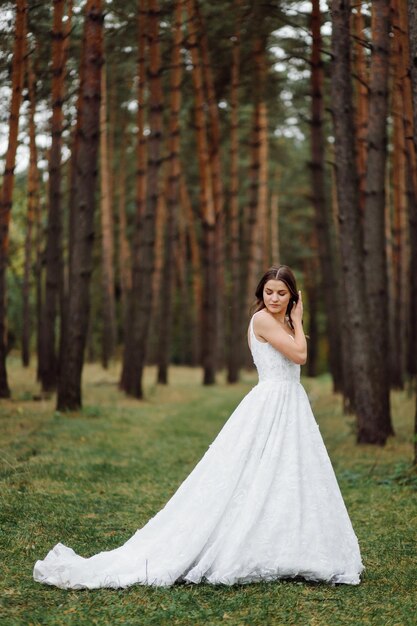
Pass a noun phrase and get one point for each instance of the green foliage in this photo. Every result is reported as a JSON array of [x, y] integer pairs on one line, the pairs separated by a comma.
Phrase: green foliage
[[91, 478]]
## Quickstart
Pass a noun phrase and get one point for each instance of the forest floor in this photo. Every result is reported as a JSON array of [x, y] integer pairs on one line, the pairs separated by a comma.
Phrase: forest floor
[[90, 479]]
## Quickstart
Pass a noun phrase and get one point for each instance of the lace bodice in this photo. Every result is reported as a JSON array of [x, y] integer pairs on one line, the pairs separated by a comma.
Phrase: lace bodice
[[271, 364]]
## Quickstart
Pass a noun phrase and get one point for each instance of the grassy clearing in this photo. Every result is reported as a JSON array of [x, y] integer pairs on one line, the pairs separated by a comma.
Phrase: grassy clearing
[[90, 479]]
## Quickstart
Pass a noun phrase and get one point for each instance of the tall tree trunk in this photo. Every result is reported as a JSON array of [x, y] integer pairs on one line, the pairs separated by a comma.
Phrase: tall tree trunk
[[412, 37], [404, 28], [412, 33], [80, 267], [258, 176], [275, 234], [6, 192], [312, 288], [66, 247], [124, 255], [323, 218], [53, 253], [33, 208], [393, 335], [107, 229], [235, 343], [412, 20], [399, 184], [350, 229], [142, 281], [376, 276], [362, 100], [251, 219], [171, 233], [157, 314], [214, 144], [196, 271], [129, 381], [207, 210], [263, 212]]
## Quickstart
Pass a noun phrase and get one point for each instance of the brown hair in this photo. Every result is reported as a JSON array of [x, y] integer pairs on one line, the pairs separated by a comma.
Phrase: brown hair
[[277, 272]]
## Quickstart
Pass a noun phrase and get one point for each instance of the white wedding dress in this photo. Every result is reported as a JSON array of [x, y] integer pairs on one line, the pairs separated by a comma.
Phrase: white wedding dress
[[263, 503]]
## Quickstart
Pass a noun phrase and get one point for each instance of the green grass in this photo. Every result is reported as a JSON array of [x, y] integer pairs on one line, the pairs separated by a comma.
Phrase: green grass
[[90, 479]]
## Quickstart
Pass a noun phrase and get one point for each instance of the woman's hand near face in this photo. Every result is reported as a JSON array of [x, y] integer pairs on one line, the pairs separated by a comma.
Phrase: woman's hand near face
[[297, 310]]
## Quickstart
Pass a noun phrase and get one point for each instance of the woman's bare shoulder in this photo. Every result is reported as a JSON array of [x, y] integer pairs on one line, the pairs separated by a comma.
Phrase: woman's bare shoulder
[[263, 321], [262, 317]]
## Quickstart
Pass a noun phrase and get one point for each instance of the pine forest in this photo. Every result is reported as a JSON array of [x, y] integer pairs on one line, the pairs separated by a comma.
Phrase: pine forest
[[158, 156]]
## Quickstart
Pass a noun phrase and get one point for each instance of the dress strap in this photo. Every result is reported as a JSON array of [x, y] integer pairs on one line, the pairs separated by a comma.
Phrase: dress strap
[[251, 324]]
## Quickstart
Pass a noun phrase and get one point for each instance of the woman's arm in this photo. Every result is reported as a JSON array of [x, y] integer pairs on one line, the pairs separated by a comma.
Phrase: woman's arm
[[269, 329]]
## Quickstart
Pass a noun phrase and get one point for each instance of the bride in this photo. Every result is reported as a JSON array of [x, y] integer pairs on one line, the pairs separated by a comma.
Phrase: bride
[[263, 503]]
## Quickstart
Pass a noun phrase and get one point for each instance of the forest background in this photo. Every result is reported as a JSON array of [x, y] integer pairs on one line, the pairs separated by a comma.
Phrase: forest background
[[159, 155]]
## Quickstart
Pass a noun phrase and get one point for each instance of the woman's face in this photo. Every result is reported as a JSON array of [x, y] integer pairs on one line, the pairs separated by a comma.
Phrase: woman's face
[[276, 296]]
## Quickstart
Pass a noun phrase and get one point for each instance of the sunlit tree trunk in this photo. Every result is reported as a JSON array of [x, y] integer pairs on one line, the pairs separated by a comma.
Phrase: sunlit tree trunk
[[376, 276], [142, 281], [323, 218], [80, 267], [235, 300], [369, 430], [6, 191], [107, 237], [32, 210], [207, 210], [173, 190]]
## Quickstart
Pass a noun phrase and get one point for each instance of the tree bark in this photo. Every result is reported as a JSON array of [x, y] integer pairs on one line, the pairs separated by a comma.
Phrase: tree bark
[[412, 38], [258, 175], [142, 281], [196, 271], [32, 211], [362, 100], [124, 253], [235, 343], [214, 145], [323, 218], [275, 233], [312, 288], [128, 380], [171, 233], [351, 238], [412, 20], [399, 185], [107, 229], [207, 210], [80, 268], [6, 192], [376, 275], [53, 252]]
